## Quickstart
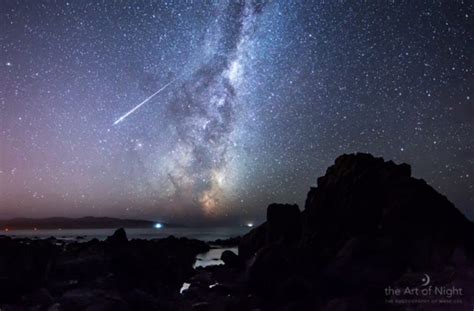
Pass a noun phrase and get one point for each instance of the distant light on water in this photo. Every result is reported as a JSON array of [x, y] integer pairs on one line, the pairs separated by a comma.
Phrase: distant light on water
[[158, 226], [250, 225]]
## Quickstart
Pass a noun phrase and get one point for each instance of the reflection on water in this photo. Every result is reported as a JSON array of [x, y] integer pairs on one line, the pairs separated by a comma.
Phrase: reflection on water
[[184, 287], [212, 257]]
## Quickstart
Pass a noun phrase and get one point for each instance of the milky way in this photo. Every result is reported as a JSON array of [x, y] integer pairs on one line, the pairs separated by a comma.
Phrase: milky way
[[203, 114], [264, 96]]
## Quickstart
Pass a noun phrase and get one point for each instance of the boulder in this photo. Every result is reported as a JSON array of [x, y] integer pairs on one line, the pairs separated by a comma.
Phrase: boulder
[[253, 241], [231, 259], [24, 267], [118, 238], [361, 195], [271, 266], [283, 225], [201, 279], [368, 221]]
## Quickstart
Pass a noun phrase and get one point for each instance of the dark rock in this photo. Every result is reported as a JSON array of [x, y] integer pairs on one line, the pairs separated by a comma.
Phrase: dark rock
[[294, 288], [367, 222], [119, 237], [24, 267], [92, 299], [364, 195], [158, 266], [283, 225], [366, 261], [141, 300], [84, 266], [41, 298], [227, 242], [231, 259], [55, 307], [201, 306], [284, 222], [202, 279], [253, 241], [82, 262], [222, 289], [271, 266]]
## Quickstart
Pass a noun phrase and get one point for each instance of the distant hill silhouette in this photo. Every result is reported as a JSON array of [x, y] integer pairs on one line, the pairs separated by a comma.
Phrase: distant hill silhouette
[[75, 223]]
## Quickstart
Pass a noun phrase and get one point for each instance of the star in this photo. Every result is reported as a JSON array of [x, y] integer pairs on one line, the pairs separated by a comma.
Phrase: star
[[264, 97]]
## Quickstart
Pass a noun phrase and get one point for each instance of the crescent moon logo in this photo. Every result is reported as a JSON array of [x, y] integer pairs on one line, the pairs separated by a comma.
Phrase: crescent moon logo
[[425, 280]]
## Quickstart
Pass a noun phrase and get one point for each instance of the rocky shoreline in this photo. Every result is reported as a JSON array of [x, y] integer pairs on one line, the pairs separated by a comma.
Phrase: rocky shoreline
[[368, 232]]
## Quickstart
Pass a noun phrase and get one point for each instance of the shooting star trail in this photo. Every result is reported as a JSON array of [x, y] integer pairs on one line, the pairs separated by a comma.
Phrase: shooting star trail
[[142, 103]]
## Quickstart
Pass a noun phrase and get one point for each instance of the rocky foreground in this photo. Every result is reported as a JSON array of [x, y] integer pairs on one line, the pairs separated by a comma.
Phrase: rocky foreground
[[370, 237], [116, 274]]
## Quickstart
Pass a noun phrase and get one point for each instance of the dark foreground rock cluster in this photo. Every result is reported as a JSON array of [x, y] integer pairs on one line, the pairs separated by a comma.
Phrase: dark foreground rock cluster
[[368, 232], [116, 274]]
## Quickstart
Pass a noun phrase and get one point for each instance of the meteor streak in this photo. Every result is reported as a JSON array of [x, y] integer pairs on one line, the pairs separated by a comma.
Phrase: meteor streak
[[143, 102]]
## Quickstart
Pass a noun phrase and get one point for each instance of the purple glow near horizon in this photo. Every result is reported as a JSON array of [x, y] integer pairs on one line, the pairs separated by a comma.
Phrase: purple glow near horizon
[[264, 97]]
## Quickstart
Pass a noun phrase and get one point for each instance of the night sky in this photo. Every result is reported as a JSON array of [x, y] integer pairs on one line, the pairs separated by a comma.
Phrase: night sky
[[260, 98]]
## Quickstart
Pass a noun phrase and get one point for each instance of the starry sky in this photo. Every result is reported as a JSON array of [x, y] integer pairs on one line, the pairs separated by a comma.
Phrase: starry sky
[[259, 99]]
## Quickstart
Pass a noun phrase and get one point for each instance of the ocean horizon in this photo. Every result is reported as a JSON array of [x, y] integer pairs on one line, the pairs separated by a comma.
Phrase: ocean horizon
[[198, 233]]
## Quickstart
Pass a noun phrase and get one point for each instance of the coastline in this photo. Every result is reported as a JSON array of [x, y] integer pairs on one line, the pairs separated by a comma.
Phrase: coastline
[[377, 234], [83, 235], [76, 273]]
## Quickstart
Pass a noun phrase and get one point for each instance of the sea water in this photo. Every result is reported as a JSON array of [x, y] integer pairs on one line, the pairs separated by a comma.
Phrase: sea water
[[210, 258], [203, 234]]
